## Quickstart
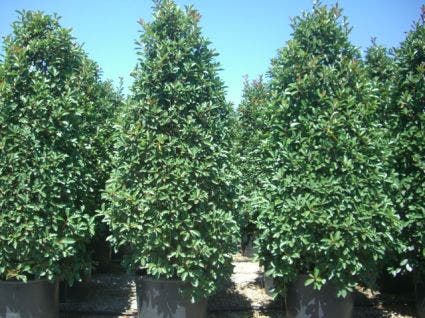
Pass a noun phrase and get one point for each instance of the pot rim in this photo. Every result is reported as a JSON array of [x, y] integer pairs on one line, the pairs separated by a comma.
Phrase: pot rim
[[161, 280], [29, 282]]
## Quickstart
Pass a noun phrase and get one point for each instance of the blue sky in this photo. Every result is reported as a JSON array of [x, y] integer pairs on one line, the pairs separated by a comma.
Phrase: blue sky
[[246, 33]]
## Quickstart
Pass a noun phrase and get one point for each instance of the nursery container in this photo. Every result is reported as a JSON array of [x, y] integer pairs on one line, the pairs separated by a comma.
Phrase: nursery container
[[269, 285], [157, 298], [420, 296], [102, 255], [247, 247], [399, 284], [305, 302], [33, 299]]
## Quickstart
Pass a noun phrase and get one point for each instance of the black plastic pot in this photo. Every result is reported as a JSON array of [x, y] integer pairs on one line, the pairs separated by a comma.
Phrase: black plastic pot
[[305, 302], [247, 246], [63, 292], [34, 299], [102, 255], [162, 299], [78, 292], [395, 285], [420, 296], [269, 285]]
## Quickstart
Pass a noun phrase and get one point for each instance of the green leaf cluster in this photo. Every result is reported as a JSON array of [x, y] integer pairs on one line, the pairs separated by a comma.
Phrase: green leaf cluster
[[251, 126], [406, 123], [325, 206], [380, 66], [53, 109], [171, 192]]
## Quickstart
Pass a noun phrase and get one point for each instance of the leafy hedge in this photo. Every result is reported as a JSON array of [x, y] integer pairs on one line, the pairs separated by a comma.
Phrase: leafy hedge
[[380, 66], [399, 79], [251, 124], [170, 195], [326, 212], [102, 105], [406, 121], [51, 105]]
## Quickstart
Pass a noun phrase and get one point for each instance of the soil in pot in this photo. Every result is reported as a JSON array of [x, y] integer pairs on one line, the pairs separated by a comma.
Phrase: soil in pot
[[162, 299], [34, 299], [305, 302], [420, 296]]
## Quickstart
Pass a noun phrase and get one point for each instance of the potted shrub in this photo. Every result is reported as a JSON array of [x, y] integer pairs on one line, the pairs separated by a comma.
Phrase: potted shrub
[[406, 123], [170, 195], [326, 221], [381, 67], [44, 176], [103, 103], [250, 123]]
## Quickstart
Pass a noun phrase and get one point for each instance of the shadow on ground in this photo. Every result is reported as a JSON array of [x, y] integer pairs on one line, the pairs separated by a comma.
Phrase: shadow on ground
[[246, 314], [370, 303], [105, 294]]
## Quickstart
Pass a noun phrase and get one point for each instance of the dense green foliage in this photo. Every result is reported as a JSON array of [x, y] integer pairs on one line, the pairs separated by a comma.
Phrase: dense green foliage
[[406, 121], [380, 66], [102, 108], [102, 104], [326, 212], [55, 123], [251, 124], [399, 80], [324, 163], [171, 195]]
